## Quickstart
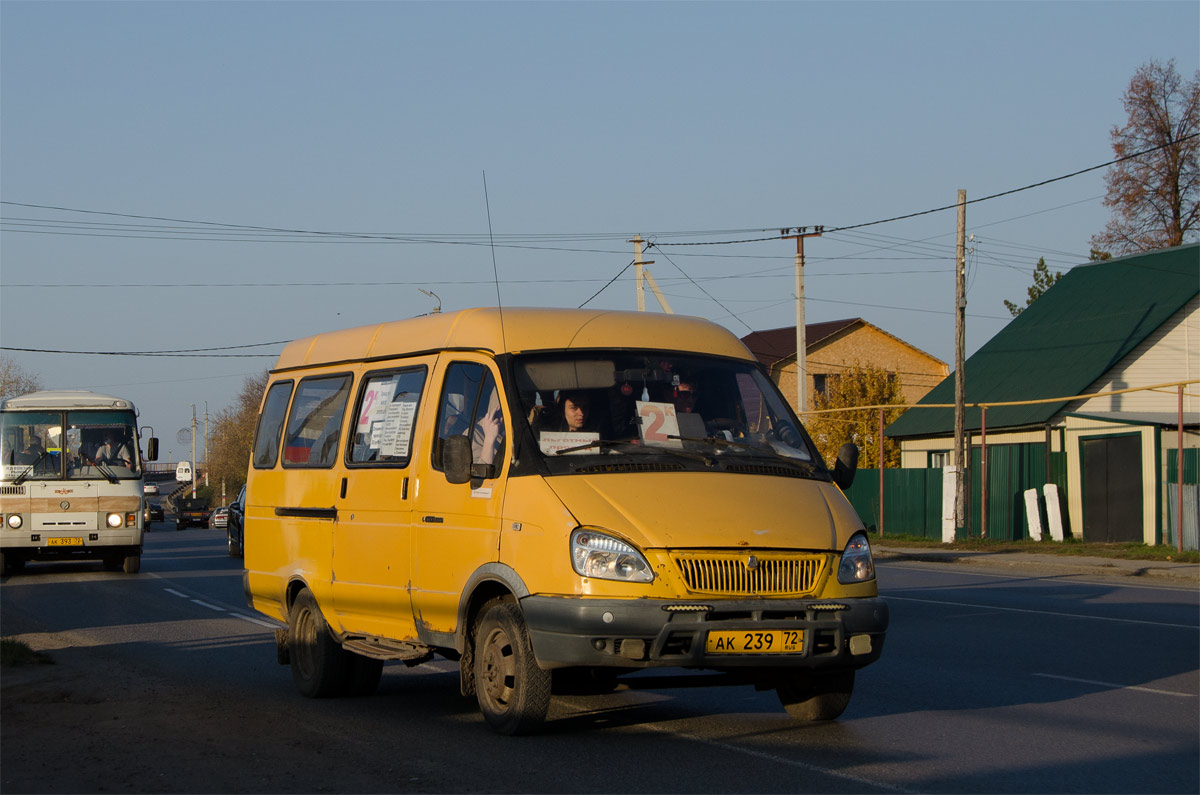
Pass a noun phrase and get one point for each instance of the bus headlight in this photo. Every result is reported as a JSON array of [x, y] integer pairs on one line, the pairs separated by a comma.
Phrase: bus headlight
[[14, 520], [857, 564], [604, 557], [115, 520]]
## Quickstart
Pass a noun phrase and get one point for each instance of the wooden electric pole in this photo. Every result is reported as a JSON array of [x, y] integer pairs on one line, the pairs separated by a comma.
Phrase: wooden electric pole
[[799, 233], [638, 272], [960, 380]]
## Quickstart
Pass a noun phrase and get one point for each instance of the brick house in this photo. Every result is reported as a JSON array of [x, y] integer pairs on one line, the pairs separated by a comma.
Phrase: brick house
[[836, 345]]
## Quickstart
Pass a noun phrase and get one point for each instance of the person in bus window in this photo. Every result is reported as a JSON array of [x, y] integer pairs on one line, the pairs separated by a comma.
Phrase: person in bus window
[[488, 437], [33, 452], [113, 453]]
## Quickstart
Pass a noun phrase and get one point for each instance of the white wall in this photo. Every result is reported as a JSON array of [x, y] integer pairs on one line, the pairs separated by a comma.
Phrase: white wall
[[1171, 353]]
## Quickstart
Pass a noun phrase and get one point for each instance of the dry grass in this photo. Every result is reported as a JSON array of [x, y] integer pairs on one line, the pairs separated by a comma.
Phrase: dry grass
[[1066, 548]]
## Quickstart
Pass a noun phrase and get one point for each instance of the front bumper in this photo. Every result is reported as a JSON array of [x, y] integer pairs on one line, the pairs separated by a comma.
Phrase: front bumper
[[650, 633]]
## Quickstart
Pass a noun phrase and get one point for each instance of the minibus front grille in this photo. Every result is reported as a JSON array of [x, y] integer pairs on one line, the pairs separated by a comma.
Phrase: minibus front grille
[[749, 573], [634, 467], [12, 491]]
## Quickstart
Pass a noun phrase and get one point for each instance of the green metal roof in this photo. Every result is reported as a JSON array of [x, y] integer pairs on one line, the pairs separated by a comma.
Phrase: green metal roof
[[1065, 340]]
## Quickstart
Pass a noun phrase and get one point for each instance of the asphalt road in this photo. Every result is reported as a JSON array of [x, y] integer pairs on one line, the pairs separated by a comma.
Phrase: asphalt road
[[989, 682]]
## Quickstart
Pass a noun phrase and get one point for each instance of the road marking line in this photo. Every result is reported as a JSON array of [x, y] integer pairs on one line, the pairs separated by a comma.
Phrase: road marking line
[[266, 624], [1039, 612], [209, 606], [177, 593], [783, 760], [1114, 686]]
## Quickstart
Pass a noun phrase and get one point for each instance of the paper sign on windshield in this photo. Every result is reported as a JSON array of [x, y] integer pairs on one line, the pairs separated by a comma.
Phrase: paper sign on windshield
[[552, 441], [658, 424], [397, 430]]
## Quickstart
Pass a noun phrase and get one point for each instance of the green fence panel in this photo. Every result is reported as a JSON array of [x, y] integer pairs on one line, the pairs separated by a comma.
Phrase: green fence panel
[[912, 500], [1191, 465]]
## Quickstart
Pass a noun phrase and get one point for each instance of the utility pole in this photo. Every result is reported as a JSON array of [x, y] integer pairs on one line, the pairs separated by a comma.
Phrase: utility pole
[[206, 443], [193, 451], [960, 378], [638, 272], [799, 233]]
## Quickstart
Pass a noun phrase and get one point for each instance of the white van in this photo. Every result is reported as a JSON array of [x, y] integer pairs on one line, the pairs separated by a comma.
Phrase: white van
[[183, 472]]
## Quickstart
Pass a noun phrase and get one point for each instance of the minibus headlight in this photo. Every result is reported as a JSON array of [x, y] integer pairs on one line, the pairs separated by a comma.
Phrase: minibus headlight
[[856, 565], [115, 520], [601, 556], [14, 520]]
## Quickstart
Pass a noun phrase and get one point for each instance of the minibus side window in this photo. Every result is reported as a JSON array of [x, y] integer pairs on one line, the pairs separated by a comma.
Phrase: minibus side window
[[315, 422], [468, 394], [270, 424], [385, 417]]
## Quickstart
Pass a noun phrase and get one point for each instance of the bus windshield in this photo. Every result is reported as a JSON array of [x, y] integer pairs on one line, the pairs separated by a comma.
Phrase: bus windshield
[[74, 445], [628, 407]]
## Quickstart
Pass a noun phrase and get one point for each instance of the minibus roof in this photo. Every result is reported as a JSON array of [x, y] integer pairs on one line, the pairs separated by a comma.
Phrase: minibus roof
[[65, 399], [525, 330]]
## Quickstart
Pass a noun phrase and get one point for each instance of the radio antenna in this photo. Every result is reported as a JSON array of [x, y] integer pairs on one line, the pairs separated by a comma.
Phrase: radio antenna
[[495, 270]]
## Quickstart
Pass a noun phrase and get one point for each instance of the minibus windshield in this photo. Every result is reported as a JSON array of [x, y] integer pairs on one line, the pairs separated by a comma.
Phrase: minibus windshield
[[694, 411]]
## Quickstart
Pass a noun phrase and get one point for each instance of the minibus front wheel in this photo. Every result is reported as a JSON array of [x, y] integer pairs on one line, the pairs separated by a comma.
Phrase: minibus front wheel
[[816, 696], [512, 689]]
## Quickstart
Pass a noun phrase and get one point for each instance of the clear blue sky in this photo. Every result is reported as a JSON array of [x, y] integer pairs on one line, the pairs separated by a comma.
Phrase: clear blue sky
[[684, 122]]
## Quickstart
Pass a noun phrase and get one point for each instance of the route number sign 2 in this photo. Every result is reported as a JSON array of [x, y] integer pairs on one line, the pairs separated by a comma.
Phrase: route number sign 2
[[658, 424]]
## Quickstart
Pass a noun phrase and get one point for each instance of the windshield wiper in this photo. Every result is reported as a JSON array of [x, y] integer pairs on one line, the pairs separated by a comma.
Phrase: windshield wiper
[[107, 473], [721, 441], [629, 447], [19, 479]]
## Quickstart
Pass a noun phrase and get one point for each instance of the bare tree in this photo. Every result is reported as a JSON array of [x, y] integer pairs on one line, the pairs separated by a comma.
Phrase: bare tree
[[15, 380], [1155, 198]]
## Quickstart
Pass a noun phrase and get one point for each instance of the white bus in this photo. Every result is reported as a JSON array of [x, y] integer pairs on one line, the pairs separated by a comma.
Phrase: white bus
[[71, 479]]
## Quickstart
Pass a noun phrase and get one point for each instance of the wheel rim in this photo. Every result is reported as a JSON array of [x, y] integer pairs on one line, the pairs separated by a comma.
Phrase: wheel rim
[[498, 669]]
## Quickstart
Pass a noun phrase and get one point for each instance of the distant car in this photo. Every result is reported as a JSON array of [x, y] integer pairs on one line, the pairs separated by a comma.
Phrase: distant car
[[150, 488], [154, 512], [219, 518], [235, 531], [191, 511]]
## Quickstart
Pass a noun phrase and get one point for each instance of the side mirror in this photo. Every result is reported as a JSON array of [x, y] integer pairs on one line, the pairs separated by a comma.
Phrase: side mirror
[[456, 459], [152, 449], [846, 466]]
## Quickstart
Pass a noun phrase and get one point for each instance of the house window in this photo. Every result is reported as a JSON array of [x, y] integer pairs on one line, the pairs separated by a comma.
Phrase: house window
[[819, 383], [939, 459]]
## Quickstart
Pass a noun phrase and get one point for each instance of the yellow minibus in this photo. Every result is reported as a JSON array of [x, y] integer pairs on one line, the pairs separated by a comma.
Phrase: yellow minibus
[[552, 497]]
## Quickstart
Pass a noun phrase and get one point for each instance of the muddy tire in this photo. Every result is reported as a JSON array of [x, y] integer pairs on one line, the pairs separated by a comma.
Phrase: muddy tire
[[132, 564], [816, 696], [512, 690], [319, 663]]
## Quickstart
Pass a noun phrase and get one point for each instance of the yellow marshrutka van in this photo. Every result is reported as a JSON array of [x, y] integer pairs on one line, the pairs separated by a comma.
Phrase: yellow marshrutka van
[[550, 497]]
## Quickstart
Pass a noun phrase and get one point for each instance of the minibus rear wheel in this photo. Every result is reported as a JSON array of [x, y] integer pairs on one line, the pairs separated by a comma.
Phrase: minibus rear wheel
[[319, 664], [816, 696], [512, 689]]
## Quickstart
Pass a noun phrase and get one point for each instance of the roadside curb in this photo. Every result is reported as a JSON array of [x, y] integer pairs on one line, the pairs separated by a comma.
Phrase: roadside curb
[[1188, 573]]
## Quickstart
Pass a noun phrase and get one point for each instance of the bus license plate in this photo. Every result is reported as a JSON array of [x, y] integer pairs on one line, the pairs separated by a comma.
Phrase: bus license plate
[[64, 542], [775, 641]]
